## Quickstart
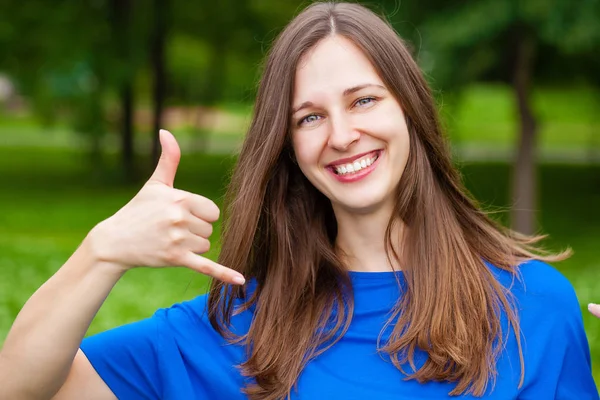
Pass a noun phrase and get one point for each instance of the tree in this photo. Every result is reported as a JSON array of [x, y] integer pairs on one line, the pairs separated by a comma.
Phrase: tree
[[158, 66], [121, 13], [69, 58], [519, 43]]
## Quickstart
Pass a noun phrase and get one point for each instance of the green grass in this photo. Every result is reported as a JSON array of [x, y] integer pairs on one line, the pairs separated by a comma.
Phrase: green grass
[[486, 115], [50, 199]]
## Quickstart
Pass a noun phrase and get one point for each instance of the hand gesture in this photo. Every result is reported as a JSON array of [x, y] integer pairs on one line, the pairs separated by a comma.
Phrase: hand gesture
[[162, 226]]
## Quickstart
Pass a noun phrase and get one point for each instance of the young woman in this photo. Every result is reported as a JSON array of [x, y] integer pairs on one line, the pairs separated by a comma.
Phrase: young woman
[[370, 272]]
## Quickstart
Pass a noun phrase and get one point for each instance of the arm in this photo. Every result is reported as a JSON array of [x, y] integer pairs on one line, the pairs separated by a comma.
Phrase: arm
[[160, 226], [44, 338], [84, 383]]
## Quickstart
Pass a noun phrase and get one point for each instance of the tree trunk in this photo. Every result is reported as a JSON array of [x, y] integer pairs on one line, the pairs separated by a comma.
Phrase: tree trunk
[[122, 39], [524, 173], [157, 57], [127, 156]]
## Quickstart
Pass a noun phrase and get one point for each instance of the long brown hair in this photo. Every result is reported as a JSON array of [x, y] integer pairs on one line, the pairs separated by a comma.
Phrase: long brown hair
[[280, 231]]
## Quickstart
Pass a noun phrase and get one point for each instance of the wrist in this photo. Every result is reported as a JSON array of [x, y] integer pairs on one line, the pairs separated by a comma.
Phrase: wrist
[[97, 249]]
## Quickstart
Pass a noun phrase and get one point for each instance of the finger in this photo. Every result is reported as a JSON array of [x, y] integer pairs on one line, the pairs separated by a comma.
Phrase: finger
[[211, 268], [594, 309], [200, 228], [197, 244], [203, 208], [169, 159]]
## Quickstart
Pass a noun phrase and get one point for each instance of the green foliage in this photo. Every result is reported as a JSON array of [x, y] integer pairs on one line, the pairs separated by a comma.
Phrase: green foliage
[[70, 59], [475, 40]]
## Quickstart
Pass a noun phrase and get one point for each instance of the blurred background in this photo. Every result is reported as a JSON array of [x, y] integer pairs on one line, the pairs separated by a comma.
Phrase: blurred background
[[85, 86]]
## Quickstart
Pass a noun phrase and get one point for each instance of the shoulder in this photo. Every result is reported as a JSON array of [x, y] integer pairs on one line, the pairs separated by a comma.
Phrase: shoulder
[[543, 279], [185, 321], [545, 302], [191, 319], [537, 279], [186, 313], [540, 289], [549, 318]]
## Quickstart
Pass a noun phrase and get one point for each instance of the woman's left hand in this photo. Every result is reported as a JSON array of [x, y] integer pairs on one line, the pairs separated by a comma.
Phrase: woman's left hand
[[594, 309]]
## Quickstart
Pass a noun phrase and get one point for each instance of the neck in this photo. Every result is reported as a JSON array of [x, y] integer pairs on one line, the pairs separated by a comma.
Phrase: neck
[[361, 240]]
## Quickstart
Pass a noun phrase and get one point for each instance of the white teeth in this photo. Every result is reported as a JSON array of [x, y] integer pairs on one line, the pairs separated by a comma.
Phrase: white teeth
[[355, 166]]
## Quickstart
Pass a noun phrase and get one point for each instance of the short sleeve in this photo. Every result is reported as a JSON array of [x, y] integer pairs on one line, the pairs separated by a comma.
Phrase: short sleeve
[[126, 358], [558, 361], [575, 380]]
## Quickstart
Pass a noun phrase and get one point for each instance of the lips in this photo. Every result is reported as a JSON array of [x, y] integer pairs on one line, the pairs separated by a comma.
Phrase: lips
[[349, 160], [355, 168], [354, 164]]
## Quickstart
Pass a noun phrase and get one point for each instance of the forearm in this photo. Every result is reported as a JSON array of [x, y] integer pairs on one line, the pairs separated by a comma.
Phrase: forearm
[[40, 347]]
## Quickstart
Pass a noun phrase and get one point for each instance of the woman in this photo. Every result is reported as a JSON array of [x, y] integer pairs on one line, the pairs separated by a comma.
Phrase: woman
[[371, 274]]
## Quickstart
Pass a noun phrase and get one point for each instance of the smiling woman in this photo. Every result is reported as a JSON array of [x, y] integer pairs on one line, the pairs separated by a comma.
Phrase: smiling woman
[[347, 118], [370, 272]]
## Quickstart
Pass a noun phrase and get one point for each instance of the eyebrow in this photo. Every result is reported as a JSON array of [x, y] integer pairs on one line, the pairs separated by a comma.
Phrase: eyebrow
[[346, 92]]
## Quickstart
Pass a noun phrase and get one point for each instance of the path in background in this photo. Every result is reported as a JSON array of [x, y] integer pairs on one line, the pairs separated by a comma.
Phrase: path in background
[[221, 144], [482, 127]]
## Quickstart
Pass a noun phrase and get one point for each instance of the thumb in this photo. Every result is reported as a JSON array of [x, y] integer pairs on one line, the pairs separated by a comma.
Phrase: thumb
[[169, 159]]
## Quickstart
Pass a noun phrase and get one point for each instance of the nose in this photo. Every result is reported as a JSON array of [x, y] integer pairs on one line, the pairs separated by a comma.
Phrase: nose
[[342, 134]]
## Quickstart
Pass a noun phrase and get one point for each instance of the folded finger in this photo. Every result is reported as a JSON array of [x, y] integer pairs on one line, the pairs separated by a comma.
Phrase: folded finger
[[200, 227], [197, 244], [203, 208]]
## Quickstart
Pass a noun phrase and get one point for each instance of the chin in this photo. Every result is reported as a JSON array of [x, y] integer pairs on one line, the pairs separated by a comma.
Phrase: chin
[[364, 206]]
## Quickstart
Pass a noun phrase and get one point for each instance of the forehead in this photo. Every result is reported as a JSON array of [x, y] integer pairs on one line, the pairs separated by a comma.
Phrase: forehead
[[332, 66]]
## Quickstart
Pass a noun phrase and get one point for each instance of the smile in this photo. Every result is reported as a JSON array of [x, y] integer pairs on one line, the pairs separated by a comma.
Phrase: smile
[[356, 165], [353, 169]]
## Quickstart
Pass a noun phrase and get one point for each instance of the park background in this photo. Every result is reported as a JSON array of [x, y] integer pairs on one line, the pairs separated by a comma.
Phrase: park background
[[84, 87]]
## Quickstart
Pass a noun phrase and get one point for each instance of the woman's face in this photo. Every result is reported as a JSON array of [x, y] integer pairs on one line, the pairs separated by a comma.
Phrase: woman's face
[[349, 133]]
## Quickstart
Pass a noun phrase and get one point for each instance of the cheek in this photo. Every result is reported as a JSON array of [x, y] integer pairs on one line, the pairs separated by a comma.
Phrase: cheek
[[394, 130], [308, 147]]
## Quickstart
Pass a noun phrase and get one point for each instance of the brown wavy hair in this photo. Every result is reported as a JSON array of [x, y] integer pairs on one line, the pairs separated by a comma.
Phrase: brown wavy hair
[[280, 231]]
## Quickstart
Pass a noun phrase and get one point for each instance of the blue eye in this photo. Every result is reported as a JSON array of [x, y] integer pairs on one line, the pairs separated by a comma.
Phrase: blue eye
[[309, 119], [364, 101]]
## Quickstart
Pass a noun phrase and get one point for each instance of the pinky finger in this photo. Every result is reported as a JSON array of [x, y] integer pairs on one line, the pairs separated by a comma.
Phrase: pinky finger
[[211, 268]]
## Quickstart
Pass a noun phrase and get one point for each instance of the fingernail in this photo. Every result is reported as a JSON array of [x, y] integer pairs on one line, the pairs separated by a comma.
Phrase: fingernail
[[239, 280], [592, 305]]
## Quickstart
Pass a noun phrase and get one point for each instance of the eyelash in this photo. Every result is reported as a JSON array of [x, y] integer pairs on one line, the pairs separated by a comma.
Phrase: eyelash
[[303, 120]]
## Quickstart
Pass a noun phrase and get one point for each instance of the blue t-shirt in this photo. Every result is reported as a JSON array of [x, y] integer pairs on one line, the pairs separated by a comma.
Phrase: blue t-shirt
[[176, 354]]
